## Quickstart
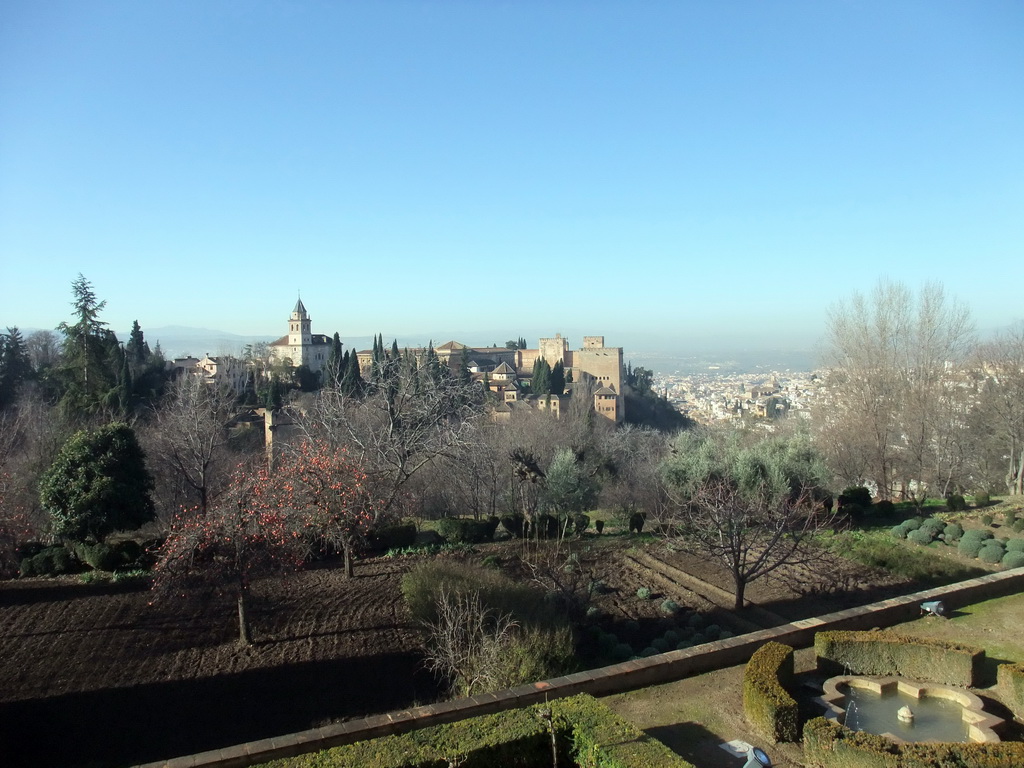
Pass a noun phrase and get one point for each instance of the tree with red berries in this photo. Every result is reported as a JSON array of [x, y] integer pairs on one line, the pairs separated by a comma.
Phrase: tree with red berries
[[245, 534], [327, 494]]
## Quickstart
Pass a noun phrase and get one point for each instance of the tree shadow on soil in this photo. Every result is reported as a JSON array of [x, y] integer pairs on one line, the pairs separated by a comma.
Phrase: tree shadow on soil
[[693, 742], [144, 723]]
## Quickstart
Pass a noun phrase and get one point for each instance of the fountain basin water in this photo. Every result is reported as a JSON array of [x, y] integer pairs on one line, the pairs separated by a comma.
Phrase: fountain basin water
[[940, 713]]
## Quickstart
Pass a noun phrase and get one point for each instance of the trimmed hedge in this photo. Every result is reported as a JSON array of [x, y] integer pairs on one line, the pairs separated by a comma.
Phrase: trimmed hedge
[[887, 653], [1010, 678], [458, 530], [766, 701], [587, 732], [830, 745]]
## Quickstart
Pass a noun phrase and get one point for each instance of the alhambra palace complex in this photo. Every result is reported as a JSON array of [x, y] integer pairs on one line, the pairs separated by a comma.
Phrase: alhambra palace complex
[[503, 370]]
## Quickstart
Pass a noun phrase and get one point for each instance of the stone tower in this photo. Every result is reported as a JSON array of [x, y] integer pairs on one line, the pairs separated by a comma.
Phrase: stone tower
[[300, 334]]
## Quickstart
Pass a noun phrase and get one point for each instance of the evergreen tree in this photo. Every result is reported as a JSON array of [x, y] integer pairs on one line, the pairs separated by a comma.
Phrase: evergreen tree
[[98, 484], [125, 384], [465, 376], [540, 382], [557, 379], [522, 342], [87, 373], [352, 380], [395, 355], [15, 365], [137, 349], [335, 368]]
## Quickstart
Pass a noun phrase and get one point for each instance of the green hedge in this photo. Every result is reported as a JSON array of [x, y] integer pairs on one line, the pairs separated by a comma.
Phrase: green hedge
[[766, 701], [830, 745], [886, 653], [587, 732], [1011, 687]]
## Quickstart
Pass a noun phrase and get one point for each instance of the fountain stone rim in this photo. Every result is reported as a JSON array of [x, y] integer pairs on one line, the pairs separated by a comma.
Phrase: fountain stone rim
[[980, 724]]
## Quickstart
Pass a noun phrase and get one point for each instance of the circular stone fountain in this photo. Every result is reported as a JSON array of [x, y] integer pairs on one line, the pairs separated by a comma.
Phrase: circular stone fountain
[[937, 712]]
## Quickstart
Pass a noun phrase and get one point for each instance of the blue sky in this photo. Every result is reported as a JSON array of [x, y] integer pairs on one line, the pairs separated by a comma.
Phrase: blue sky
[[699, 173]]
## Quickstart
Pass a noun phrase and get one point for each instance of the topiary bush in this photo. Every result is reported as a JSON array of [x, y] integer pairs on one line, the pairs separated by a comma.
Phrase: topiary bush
[[580, 523], [644, 593], [661, 645], [695, 621], [855, 494], [912, 523], [515, 525], [982, 499], [670, 607], [933, 525], [1013, 560], [953, 532], [972, 541], [955, 503], [1015, 545], [986, 519], [1018, 526], [457, 530], [992, 553], [636, 522], [885, 507], [899, 531], [766, 701], [50, 561], [397, 536], [921, 537], [889, 653]]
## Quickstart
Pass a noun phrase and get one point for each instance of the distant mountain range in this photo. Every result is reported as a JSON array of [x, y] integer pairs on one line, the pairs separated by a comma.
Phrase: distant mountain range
[[183, 341]]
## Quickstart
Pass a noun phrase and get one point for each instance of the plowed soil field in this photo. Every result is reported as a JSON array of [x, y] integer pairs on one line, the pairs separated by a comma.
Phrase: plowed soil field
[[104, 676]]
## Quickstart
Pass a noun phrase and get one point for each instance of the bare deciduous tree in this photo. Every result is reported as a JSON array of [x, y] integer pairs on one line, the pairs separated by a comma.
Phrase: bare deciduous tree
[[1000, 410], [192, 436], [890, 417]]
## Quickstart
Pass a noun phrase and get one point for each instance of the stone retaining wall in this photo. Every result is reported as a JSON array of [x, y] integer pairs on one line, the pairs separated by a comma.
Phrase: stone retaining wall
[[616, 678]]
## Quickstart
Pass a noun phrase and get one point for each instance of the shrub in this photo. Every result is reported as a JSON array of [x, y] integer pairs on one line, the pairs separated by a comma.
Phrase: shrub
[[695, 621], [828, 744], [514, 524], [623, 652], [982, 499], [491, 561], [580, 523], [712, 631], [969, 547], [888, 653], [599, 526], [648, 652], [767, 704], [1015, 545], [853, 511], [670, 607], [461, 531], [922, 536], [885, 507], [933, 525], [644, 593], [1018, 526], [636, 522], [1010, 517], [855, 494], [1013, 560], [986, 519], [99, 557], [992, 553], [607, 643], [682, 645], [671, 637], [913, 523], [395, 536], [898, 531], [1010, 679], [697, 639], [50, 561], [661, 645], [953, 532], [955, 503]]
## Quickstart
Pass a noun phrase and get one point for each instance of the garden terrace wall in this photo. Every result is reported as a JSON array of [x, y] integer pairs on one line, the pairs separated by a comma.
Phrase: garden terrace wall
[[766, 700], [887, 653], [830, 745], [616, 678]]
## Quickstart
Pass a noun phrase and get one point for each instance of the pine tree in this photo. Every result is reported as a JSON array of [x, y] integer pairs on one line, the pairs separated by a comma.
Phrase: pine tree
[[15, 365], [136, 348], [87, 346]]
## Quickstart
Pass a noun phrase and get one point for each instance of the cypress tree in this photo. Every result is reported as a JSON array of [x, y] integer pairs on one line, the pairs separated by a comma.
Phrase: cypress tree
[[335, 368], [540, 383], [557, 380]]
